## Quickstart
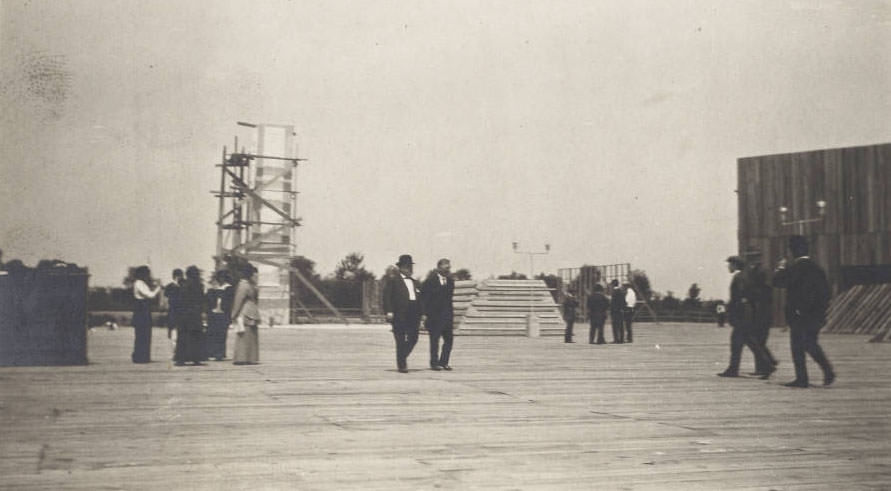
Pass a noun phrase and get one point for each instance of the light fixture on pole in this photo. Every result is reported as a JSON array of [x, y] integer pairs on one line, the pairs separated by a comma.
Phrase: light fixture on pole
[[784, 215]]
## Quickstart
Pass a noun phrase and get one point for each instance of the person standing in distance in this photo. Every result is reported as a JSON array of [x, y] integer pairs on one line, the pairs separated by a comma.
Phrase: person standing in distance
[[402, 306], [807, 298], [598, 306], [628, 311], [172, 291], [616, 312], [142, 315], [570, 305], [436, 294]]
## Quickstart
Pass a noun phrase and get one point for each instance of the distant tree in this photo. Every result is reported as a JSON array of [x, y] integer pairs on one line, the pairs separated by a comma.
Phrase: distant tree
[[306, 266], [463, 274], [352, 269], [512, 276], [692, 300], [693, 292], [670, 302], [641, 283]]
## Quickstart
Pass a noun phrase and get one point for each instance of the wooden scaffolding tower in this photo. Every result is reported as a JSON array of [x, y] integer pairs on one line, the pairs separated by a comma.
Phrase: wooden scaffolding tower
[[256, 221]]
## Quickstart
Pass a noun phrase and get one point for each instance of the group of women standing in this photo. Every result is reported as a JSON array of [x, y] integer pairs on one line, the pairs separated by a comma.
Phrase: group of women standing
[[225, 309]]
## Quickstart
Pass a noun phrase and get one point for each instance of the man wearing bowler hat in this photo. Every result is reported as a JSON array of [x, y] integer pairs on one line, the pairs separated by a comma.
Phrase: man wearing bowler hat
[[402, 305], [741, 335]]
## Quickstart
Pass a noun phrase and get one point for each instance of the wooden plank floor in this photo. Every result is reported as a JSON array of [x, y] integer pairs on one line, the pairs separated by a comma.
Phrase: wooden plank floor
[[326, 410]]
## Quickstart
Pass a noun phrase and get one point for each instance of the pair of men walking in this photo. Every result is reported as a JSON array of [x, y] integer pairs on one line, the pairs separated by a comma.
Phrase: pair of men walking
[[807, 299], [407, 303]]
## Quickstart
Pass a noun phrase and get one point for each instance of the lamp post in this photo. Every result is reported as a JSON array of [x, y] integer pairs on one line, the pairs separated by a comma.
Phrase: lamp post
[[532, 324], [784, 213]]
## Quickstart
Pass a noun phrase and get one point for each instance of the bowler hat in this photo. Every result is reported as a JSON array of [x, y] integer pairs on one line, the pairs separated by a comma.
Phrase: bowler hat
[[405, 260]]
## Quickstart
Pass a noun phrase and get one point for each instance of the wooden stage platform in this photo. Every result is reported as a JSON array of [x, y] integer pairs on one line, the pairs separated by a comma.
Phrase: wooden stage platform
[[327, 410]]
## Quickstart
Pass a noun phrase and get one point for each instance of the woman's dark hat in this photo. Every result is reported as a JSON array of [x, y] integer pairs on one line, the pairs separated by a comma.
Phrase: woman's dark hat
[[404, 260]]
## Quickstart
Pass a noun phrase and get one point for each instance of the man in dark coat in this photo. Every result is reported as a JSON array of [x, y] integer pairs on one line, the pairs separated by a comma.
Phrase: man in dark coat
[[741, 335], [807, 298], [173, 292], [617, 311], [436, 295], [759, 294], [570, 306], [402, 306], [598, 306]]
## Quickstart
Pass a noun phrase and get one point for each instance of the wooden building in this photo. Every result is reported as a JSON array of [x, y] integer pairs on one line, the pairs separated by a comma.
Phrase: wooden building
[[852, 240]]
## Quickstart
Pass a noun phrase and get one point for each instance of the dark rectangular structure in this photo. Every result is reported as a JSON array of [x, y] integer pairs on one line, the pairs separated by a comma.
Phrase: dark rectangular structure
[[43, 318], [851, 240]]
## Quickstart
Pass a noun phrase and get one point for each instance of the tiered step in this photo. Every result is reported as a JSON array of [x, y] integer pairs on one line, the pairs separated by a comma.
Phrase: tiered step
[[862, 309], [501, 307]]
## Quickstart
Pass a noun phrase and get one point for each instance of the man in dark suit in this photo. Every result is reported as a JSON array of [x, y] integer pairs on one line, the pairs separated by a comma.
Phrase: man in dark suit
[[807, 298], [740, 321], [598, 306], [402, 306], [436, 295], [760, 304], [617, 311]]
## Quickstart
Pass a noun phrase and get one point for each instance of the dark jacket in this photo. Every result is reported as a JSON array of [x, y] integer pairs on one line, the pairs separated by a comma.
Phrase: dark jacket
[[597, 305], [395, 295], [807, 290], [617, 300], [437, 302], [569, 308], [736, 305], [191, 305]]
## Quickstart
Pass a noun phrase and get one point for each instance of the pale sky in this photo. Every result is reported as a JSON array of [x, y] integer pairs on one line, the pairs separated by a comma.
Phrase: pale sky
[[609, 129]]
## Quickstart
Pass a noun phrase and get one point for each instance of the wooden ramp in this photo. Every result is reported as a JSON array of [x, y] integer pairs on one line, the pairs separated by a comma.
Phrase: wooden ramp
[[862, 309], [502, 307]]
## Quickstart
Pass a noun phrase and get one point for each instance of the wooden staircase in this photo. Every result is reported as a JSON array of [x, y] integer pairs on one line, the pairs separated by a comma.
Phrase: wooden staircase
[[501, 308]]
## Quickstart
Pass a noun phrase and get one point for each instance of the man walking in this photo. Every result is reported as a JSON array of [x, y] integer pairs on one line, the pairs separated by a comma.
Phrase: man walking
[[807, 298], [759, 294], [598, 306], [403, 310], [741, 335], [436, 295]]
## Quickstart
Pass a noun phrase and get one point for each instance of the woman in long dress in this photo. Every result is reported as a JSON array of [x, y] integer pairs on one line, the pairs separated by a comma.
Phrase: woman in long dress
[[190, 343], [246, 319], [142, 315], [219, 310]]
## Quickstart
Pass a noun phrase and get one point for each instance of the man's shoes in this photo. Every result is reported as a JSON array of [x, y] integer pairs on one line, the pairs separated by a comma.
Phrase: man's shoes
[[766, 375], [829, 378], [403, 370], [729, 373], [801, 384], [435, 367], [447, 368]]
